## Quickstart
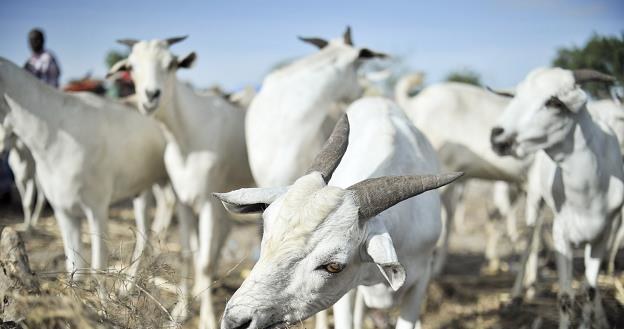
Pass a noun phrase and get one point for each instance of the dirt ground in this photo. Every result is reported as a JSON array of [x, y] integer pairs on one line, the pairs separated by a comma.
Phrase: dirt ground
[[464, 296]]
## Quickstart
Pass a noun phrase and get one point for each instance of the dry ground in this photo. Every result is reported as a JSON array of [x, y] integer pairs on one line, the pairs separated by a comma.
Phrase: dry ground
[[463, 297]]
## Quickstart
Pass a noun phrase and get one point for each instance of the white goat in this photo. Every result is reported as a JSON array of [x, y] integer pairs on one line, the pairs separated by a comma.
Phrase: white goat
[[320, 241], [584, 186], [289, 119], [606, 111], [205, 153], [457, 118], [23, 167], [89, 152]]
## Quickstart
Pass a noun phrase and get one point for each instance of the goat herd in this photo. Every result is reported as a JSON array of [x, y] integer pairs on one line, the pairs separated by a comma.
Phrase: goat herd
[[350, 200]]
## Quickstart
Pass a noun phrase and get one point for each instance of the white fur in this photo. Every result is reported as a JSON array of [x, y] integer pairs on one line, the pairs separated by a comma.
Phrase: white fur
[[303, 209]]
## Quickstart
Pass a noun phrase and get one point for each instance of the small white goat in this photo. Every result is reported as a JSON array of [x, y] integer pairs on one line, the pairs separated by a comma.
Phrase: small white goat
[[320, 241], [205, 153], [585, 185], [606, 111]]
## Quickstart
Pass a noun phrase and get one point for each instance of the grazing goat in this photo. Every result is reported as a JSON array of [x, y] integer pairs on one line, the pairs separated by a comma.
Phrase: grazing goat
[[89, 152], [584, 183], [332, 231], [205, 153]]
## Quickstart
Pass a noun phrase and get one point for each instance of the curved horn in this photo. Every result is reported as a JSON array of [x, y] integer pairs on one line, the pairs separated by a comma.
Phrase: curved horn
[[318, 42], [328, 159], [348, 40], [588, 75], [500, 93], [375, 195], [128, 42], [174, 40]]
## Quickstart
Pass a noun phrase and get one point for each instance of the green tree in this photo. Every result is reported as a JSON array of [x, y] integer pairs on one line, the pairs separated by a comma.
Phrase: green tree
[[113, 57], [601, 53], [465, 76]]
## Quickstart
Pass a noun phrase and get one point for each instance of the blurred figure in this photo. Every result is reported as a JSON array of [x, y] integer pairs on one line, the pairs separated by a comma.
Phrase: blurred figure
[[42, 63]]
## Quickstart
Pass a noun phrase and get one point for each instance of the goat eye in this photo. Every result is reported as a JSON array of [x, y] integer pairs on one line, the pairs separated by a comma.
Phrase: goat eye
[[555, 103], [333, 267]]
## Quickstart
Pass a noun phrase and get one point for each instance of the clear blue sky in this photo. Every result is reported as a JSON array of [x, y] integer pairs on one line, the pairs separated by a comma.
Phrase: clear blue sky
[[238, 41]]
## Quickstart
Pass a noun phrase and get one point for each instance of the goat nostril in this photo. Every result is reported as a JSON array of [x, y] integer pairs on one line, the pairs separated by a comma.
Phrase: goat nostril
[[496, 131], [151, 95]]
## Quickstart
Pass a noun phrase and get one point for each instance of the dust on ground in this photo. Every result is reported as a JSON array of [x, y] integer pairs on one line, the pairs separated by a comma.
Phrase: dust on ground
[[462, 297]]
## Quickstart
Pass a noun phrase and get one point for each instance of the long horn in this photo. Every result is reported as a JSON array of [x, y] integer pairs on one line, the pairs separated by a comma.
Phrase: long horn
[[588, 75], [375, 195], [318, 42], [128, 42], [174, 40], [328, 159], [348, 40]]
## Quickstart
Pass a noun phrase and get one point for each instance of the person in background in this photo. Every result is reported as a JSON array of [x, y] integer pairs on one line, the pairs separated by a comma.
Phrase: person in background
[[42, 63]]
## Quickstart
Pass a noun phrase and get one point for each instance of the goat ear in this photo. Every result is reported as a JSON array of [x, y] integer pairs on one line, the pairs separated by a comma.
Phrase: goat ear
[[380, 249], [249, 200], [120, 66], [187, 61]]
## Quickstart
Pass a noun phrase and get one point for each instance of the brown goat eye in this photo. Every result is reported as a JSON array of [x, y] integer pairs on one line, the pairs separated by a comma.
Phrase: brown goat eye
[[333, 267]]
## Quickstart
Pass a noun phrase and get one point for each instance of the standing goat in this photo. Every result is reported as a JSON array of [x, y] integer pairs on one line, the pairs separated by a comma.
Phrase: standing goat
[[606, 111], [205, 153], [89, 152], [584, 187], [320, 241]]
